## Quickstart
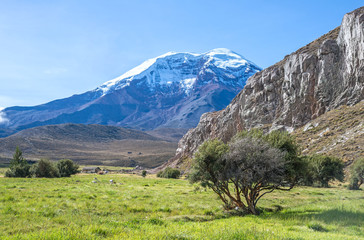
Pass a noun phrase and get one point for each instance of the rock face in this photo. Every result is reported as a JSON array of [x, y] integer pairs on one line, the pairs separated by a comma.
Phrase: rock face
[[321, 76], [169, 91]]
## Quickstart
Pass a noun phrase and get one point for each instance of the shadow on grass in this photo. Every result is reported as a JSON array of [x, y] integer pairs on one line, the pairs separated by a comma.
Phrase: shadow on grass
[[339, 216]]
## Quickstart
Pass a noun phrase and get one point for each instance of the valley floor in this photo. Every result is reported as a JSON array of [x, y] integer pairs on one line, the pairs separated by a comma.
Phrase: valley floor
[[154, 208]]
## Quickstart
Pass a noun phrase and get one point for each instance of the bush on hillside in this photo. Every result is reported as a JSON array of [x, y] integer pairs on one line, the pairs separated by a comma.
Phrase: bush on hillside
[[169, 173], [357, 174]]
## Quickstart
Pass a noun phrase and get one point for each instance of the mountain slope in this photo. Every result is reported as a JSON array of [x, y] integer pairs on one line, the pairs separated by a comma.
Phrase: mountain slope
[[325, 74], [89, 144], [339, 132], [170, 91]]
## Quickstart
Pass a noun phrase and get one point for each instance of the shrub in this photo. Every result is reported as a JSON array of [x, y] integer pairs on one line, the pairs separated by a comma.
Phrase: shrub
[[320, 169], [20, 170], [356, 174], [67, 167], [144, 173], [45, 168], [169, 173], [19, 167]]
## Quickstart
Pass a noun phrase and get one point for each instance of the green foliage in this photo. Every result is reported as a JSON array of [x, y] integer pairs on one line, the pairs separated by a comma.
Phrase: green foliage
[[357, 174], [19, 167], [294, 165], [67, 167], [20, 170], [17, 158], [320, 169], [45, 169], [144, 173], [243, 171], [169, 173], [208, 162], [307, 170]]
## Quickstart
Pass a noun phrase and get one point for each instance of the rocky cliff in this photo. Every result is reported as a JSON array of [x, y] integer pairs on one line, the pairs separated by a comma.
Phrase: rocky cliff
[[325, 74]]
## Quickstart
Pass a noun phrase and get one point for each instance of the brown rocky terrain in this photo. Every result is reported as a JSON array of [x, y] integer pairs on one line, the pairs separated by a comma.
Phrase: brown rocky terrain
[[322, 76], [339, 132]]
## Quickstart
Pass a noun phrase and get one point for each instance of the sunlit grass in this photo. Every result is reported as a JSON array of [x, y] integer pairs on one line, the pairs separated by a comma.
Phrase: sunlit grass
[[154, 208]]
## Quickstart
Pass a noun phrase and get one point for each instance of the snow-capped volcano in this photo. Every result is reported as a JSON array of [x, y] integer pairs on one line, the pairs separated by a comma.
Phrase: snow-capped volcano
[[157, 71], [172, 90]]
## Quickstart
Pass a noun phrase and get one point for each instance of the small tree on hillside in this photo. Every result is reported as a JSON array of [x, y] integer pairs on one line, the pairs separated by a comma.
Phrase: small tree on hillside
[[357, 174], [67, 167], [242, 172], [19, 167]]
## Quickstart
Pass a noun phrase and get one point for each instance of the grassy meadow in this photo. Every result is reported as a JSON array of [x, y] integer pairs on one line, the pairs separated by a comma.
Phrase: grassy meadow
[[154, 208]]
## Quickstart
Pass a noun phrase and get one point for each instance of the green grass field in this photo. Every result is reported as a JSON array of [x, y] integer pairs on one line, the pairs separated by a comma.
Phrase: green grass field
[[153, 208]]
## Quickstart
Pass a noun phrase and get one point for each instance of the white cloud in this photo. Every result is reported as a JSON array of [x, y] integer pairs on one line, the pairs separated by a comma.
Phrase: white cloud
[[3, 119]]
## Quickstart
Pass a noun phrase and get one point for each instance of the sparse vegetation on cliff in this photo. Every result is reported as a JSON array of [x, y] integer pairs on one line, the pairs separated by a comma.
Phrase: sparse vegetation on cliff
[[339, 133]]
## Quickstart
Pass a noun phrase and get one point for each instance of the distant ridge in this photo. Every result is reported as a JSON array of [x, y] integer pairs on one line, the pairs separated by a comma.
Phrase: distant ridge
[[89, 144]]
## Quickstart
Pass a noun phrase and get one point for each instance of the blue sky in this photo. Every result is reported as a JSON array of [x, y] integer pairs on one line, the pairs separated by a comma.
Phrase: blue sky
[[54, 49]]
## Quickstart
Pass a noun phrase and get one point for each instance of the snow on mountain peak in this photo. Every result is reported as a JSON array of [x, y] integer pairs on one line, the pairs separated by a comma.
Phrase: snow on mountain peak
[[221, 51], [225, 58], [159, 71]]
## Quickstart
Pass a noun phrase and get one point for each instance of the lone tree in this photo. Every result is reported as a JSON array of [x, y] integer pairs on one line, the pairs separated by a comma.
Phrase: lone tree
[[246, 169], [357, 174], [19, 167]]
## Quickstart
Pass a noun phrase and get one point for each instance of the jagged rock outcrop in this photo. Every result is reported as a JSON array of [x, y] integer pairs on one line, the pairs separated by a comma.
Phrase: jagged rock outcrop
[[325, 74]]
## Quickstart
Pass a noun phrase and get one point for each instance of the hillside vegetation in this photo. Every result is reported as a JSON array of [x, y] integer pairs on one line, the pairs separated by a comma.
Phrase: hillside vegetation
[[151, 208], [339, 132]]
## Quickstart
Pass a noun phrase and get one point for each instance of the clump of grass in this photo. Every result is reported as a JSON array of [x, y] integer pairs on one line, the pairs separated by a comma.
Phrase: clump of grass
[[317, 227], [156, 221]]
